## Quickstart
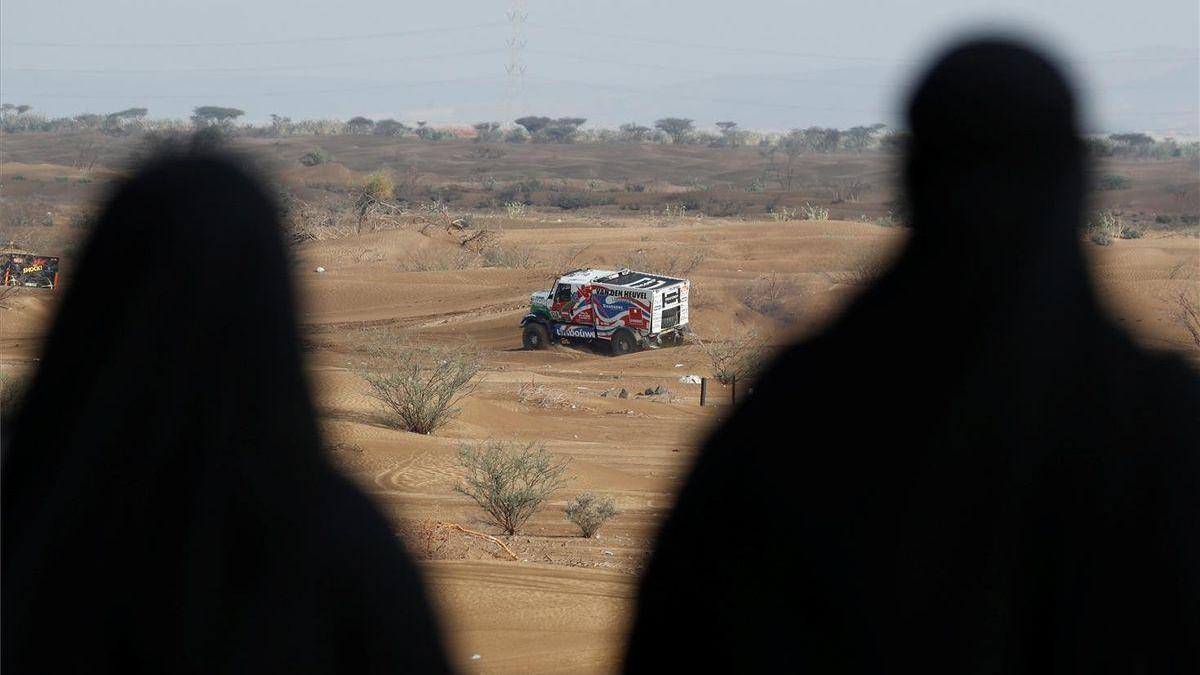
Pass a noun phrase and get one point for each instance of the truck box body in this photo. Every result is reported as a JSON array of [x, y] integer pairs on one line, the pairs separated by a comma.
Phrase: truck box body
[[594, 304]]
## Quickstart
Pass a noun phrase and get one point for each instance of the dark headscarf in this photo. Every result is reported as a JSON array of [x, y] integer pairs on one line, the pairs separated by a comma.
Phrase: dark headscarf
[[167, 507], [972, 470]]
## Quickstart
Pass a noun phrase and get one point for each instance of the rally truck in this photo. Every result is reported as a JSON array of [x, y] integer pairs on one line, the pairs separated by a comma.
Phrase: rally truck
[[627, 309]]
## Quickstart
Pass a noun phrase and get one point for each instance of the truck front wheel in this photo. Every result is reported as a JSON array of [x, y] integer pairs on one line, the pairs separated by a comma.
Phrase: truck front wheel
[[535, 336], [623, 343]]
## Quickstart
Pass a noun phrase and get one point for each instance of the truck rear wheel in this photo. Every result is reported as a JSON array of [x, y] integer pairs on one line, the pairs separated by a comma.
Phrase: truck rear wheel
[[623, 343], [535, 336]]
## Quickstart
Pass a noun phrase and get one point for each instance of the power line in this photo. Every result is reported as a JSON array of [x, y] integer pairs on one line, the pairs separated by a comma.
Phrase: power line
[[232, 69], [253, 94], [260, 43], [731, 49]]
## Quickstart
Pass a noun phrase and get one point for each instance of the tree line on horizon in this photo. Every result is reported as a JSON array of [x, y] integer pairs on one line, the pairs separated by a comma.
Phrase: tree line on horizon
[[222, 120]]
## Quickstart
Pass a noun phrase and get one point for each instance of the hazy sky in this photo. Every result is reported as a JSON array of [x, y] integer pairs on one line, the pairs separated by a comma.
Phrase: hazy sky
[[767, 64]]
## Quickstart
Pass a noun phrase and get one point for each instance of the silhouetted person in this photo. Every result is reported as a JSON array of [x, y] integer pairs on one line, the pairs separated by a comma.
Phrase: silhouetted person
[[166, 504], [972, 470]]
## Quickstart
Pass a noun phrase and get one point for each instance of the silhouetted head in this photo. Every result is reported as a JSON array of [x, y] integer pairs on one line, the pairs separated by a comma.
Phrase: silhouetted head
[[170, 409], [995, 158]]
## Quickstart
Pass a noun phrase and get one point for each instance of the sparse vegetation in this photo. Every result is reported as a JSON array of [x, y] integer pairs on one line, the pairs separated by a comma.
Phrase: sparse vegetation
[[811, 212], [541, 396], [738, 357], [1187, 313], [314, 157], [420, 386], [771, 295], [589, 512], [508, 480]]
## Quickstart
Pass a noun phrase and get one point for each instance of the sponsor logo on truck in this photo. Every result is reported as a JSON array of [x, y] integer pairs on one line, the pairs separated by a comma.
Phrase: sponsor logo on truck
[[570, 331]]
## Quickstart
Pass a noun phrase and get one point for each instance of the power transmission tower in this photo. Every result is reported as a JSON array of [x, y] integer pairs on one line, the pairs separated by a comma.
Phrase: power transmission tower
[[517, 15]]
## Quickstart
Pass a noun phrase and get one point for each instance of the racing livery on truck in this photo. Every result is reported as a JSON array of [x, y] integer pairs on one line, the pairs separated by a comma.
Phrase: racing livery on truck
[[627, 309]]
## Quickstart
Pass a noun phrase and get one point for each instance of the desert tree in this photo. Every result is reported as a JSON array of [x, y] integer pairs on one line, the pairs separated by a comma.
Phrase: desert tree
[[22, 109], [390, 127], [633, 132], [678, 128], [859, 138], [561, 130], [377, 188], [533, 123], [731, 136], [123, 122], [589, 512], [510, 481], [359, 125], [733, 358], [212, 115], [419, 387], [487, 132]]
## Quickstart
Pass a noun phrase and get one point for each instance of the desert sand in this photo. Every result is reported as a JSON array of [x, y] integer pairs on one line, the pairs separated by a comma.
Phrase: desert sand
[[564, 606]]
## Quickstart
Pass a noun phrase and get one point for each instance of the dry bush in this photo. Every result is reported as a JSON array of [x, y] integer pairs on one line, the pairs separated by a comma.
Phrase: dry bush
[[540, 396], [509, 481], [735, 358], [771, 295], [672, 264], [420, 386], [438, 259], [427, 539], [518, 256], [863, 274], [589, 512], [1187, 313], [811, 212]]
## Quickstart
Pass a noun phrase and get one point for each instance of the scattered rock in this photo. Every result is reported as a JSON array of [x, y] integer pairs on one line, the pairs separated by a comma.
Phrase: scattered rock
[[475, 657], [690, 379], [648, 392], [320, 270], [660, 390], [607, 552], [678, 365], [622, 393]]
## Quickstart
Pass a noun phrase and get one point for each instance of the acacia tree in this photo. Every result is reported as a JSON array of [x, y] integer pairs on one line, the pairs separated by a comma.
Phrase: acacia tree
[[858, 138], [533, 123], [359, 125], [487, 132], [678, 128], [212, 115], [390, 127], [731, 136], [634, 132]]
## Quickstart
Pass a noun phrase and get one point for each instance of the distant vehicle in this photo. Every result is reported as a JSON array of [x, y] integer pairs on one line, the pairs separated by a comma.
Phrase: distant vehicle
[[629, 310], [27, 269]]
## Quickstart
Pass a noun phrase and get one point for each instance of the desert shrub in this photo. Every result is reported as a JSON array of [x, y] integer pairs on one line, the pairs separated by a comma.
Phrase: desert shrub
[[1131, 232], [1105, 227], [735, 358], [589, 512], [514, 209], [635, 187], [811, 212], [509, 481], [671, 211], [672, 264], [1112, 181], [314, 157], [1187, 314], [540, 396], [770, 295], [569, 201], [420, 386], [783, 214], [438, 259], [512, 256]]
